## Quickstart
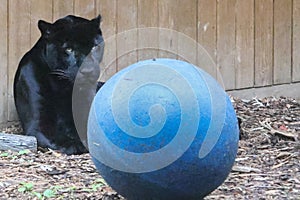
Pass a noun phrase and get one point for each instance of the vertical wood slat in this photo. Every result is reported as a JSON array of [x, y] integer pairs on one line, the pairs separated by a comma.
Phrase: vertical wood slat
[[61, 8], [186, 20], [296, 41], [3, 63], [263, 42], [127, 33], [226, 41], [147, 37], [167, 39], [244, 44], [39, 10], [282, 41], [19, 43], [207, 36], [108, 11], [178, 36], [85, 8], [223, 25]]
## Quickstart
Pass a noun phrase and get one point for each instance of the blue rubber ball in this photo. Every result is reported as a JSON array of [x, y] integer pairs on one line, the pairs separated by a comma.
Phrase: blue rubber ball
[[163, 129]]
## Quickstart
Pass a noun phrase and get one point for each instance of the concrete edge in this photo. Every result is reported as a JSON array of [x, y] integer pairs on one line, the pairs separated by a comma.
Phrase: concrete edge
[[287, 90]]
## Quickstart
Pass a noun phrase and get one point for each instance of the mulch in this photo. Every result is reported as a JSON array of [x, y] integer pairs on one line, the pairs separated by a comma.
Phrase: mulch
[[267, 165]]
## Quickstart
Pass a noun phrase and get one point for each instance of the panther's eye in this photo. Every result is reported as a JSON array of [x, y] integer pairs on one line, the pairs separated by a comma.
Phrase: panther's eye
[[69, 50]]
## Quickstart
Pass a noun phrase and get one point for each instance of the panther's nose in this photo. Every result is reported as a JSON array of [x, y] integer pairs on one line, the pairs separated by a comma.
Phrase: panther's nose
[[86, 70]]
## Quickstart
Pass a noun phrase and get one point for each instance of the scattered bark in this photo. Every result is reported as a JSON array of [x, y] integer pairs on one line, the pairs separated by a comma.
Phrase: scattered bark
[[267, 165]]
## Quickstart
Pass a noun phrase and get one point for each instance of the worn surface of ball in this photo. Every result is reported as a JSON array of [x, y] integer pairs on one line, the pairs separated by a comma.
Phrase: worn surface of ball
[[163, 129]]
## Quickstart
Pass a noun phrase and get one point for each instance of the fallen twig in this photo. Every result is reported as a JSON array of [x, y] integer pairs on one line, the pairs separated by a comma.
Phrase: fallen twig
[[274, 131]]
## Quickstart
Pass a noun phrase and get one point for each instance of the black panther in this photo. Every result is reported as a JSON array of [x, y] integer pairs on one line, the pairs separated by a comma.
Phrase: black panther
[[68, 51]]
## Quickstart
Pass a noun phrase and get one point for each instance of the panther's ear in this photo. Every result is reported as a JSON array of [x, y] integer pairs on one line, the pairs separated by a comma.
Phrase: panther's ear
[[45, 28], [97, 20]]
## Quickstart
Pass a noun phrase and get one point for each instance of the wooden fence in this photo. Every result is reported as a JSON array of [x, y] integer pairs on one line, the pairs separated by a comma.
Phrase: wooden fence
[[254, 43]]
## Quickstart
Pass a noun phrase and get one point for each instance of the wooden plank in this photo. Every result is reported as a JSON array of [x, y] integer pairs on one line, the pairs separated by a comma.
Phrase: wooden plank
[[244, 44], [85, 8], [282, 41], [62, 8], [39, 10], [263, 43], [19, 44], [168, 37], [3, 63], [296, 41], [186, 20], [207, 36], [127, 33], [226, 41], [108, 11], [178, 38], [14, 142], [147, 37]]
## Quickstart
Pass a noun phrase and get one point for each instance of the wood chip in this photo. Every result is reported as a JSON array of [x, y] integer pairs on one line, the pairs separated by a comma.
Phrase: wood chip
[[267, 165], [245, 169]]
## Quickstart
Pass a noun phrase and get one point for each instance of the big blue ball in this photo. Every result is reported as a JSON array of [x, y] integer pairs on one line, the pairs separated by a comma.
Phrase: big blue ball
[[163, 129]]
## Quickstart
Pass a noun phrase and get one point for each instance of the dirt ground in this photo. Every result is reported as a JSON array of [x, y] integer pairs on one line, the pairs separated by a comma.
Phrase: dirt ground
[[267, 165]]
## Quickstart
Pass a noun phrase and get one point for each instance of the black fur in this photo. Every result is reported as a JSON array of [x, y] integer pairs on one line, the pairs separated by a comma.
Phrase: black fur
[[43, 84]]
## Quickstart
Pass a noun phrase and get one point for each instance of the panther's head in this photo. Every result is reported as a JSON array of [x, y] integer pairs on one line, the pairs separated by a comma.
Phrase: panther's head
[[72, 45]]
